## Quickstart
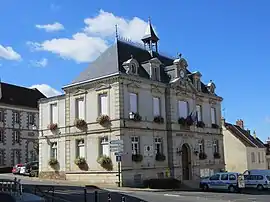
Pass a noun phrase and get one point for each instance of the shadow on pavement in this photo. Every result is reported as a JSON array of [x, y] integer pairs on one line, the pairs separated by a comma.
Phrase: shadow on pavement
[[60, 193]]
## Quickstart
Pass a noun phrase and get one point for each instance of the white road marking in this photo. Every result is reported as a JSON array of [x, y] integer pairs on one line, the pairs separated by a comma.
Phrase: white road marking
[[173, 195]]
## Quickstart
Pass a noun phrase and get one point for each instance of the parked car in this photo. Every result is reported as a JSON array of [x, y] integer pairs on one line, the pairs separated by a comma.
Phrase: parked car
[[16, 169], [32, 168], [22, 169], [229, 181]]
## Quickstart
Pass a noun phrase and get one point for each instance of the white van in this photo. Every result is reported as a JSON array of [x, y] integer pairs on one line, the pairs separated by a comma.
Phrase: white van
[[230, 181], [259, 179]]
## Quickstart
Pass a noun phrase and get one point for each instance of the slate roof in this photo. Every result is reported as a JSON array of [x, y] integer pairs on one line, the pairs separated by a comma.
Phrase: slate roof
[[19, 96], [244, 136], [110, 62]]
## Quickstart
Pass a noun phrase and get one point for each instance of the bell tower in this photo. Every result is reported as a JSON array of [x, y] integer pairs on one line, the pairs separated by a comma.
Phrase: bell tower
[[150, 39]]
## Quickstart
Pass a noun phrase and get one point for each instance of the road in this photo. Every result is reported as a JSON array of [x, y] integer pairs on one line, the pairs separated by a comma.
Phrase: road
[[65, 192]]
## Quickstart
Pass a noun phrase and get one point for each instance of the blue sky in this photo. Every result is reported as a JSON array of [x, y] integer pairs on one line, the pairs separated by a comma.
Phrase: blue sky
[[51, 42]]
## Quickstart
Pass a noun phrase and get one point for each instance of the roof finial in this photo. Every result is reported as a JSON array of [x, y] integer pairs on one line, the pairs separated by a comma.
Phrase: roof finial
[[149, 20], [180, 55], [116, 31], [131, 56]]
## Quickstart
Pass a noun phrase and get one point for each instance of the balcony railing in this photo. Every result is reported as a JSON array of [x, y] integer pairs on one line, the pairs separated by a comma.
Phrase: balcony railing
[[12, 187]]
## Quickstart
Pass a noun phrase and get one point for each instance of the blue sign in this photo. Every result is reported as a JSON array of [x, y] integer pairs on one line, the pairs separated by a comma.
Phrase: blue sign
[[118, 158]]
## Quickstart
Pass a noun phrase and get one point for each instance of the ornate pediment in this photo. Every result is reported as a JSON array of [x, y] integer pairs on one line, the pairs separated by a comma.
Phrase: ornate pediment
[[133, 85], [156, 89], [102, 86], [80, 92]]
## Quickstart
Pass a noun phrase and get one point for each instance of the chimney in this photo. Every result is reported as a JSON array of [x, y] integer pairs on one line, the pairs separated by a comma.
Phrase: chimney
[[240, 123]]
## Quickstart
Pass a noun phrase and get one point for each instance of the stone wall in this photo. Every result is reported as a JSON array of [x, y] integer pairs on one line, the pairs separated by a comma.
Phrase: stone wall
[[56, 175]]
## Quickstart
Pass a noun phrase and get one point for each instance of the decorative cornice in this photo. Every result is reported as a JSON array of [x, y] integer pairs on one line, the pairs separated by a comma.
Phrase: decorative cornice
[[80, 92], [102, 86]]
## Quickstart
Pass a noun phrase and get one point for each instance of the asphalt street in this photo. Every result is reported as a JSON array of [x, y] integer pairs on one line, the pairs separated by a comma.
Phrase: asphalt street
[[64, 192]]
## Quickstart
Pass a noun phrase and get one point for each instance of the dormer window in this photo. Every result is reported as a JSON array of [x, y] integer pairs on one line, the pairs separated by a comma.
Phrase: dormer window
[[131, 66], [211, 87], [197, 80], [155, 73]]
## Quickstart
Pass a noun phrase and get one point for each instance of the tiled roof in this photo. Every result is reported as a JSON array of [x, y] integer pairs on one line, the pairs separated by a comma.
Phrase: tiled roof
[[19, 96], [111, 61], [244, 136]]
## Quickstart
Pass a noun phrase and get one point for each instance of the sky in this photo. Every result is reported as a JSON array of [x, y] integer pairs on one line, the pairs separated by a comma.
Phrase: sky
[[47, 43]]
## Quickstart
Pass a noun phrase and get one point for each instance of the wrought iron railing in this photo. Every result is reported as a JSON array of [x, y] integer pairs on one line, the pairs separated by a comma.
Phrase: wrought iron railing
[[12, 187]]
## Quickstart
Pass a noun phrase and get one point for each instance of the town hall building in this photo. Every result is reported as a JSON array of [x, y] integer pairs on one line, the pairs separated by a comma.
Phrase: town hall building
[[167, 118]]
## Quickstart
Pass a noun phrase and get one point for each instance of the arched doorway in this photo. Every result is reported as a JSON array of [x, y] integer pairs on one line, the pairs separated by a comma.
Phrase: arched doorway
[[186, 162]]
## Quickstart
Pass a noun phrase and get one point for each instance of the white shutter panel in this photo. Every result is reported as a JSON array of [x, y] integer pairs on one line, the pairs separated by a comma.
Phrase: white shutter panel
[[81, 151], [213, 115], [133, 102], [54, 112], [81, 109], [156, 104], [104, 104], [106, 149]]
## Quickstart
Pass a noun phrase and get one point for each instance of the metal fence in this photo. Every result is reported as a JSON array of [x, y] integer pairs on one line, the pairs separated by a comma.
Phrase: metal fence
[[13, 188]]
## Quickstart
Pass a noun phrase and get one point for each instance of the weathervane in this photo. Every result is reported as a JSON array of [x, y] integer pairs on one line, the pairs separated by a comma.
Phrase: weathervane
[[116, 31]]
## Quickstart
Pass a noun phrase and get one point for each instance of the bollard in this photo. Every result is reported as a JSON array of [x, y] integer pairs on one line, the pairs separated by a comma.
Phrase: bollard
[[109, 197], [85, 194], [123, 199], [96, 196]]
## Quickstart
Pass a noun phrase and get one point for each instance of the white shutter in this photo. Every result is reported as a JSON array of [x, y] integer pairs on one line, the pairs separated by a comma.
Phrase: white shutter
[[133, 102], [183, 109], [81, 151], [81, 109], [199, 112], [213, 115], [156, 106], [106, 149], [54, 113], [104, 104]]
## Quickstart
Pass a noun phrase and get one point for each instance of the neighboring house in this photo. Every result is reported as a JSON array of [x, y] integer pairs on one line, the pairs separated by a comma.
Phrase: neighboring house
[[18, 119], [267, 146], [135, 94], [242, 150]]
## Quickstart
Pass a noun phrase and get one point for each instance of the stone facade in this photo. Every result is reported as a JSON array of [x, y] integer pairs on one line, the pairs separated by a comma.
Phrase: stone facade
[[17, 135]]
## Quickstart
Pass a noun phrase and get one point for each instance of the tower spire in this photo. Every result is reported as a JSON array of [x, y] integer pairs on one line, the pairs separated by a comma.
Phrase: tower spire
[[150, 38]]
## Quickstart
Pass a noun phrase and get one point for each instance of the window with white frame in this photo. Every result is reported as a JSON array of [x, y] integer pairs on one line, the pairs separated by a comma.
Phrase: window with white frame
[[16, 136], [199, 112], [201, 146], [158, 145], [213, 115], [133, 102], [54, 113], [105, 147], [103, 104], [79, 108], [31, 119], [1, 136], [252, 157], [156, 106], [16, 117], [80, 148], [135, 145], [155, 73], [182, 109], [2, 157], [54, 150], [215, 146]]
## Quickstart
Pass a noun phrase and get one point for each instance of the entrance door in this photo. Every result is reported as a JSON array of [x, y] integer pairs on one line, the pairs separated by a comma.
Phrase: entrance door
[[186, 162]]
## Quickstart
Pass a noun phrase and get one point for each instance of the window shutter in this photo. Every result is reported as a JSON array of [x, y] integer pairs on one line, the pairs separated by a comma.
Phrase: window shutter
[[104, 104], [81, 109], [156, 106], [133, 102]]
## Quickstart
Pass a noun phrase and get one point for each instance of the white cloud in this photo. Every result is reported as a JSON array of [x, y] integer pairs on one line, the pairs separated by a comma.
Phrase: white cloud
[[46, 90], [104, 23], [51, 27], [80, 47], [8, 53], [87, 45], [40, 63]]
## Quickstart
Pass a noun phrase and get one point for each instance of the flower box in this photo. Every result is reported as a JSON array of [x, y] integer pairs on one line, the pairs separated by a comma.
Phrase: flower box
[[200, 124], [217, 155], [52, 126], [80, 161], [137, 157], [53, 162], [103, 119], [185, 121], [215, 126], [160, 157], [135, 116], [158, 119], [80, 123], [105, 162], [202, 156]]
